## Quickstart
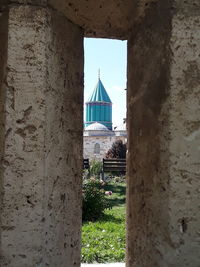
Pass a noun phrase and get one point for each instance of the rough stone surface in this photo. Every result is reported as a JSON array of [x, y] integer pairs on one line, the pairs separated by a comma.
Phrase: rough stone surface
[[64, 145], [102, 18], [42, 139], [3, 61], [164, 134], [109, 19], [105, 19], [26, 2]]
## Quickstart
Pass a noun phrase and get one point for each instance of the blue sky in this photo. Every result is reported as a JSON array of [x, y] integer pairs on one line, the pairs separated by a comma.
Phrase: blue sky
[[110, 56]]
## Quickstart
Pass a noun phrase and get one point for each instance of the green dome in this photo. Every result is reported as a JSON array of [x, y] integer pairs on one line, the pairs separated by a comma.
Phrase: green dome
[[99, 94], [99, 107]]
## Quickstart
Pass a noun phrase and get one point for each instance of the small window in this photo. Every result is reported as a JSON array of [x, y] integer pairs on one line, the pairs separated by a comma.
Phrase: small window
[[97, 148]]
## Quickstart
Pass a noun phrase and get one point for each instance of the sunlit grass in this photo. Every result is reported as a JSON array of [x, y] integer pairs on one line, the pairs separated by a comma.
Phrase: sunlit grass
[[104, 240]]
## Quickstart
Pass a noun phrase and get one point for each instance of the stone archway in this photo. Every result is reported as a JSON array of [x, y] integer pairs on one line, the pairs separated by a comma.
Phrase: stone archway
[[41, 143]]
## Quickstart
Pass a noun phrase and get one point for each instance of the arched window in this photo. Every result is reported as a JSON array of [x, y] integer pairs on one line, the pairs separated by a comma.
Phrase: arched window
[[97, 148]]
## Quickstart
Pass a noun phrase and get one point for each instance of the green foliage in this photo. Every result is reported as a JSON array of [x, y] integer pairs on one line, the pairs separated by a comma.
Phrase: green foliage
[[104, 240], [94, 200], [95, 168], [118, 150]]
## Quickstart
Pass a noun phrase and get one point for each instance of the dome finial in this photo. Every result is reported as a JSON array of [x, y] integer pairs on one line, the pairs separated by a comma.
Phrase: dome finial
[[99, 74]]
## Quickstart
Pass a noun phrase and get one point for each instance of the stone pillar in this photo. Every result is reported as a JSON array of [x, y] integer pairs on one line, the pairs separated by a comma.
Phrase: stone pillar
[[41, 82], [164, 137]]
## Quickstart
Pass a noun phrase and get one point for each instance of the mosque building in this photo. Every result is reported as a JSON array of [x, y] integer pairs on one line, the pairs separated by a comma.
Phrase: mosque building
[[99, 134]]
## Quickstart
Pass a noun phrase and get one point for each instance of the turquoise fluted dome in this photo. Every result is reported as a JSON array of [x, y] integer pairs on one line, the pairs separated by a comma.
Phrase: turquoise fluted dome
[[99, 94], [99, 107]]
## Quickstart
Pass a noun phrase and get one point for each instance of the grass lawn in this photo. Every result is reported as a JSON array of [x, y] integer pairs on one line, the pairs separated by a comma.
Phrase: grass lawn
[[104, 240]]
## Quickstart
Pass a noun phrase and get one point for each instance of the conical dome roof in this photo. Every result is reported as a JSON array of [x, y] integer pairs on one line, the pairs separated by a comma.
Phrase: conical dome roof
[[99, 94]]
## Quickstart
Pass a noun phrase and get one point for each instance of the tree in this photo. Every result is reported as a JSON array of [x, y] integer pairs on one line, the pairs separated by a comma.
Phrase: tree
[[118, 150]]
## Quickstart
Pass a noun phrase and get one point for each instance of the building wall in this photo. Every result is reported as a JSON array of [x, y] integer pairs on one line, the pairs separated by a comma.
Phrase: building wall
[[105, 144]]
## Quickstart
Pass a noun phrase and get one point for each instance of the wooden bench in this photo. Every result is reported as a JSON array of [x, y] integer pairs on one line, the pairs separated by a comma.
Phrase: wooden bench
[[113, 165]]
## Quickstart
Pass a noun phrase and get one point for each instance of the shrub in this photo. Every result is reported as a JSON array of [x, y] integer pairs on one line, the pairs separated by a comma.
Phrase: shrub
[[96, 168], [94, 200]]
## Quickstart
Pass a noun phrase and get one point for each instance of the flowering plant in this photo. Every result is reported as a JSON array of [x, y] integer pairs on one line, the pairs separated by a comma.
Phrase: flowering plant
[[108, 193]]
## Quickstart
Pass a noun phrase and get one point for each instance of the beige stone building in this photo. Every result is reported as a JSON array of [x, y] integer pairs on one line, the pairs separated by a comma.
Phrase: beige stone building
[[41, 128], [97, 140]]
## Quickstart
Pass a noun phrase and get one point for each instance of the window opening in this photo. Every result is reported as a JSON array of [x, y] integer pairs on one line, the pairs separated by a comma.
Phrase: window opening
[[103, 231], [97, 148]]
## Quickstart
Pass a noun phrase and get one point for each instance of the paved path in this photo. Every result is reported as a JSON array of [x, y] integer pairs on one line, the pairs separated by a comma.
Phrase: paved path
[[103, 265]]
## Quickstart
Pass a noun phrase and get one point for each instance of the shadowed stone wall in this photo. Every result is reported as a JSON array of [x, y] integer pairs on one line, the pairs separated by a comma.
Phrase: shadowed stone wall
[[3, 61], [164, 136], [41, 138]]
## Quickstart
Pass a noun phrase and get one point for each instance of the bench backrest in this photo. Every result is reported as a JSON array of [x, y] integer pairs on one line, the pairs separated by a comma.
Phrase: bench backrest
[[114, 165]]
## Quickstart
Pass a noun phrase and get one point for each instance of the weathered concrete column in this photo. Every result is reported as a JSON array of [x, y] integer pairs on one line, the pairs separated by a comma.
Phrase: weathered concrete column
[[164, 137], [41, 83]]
